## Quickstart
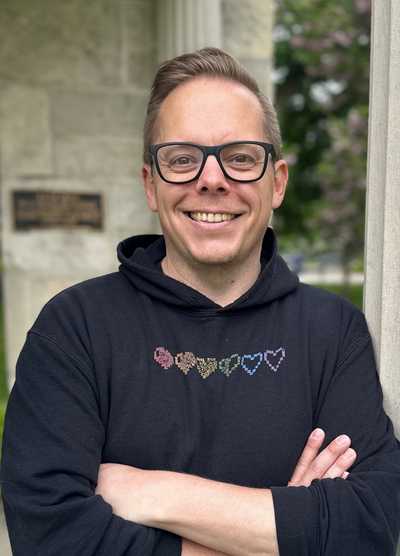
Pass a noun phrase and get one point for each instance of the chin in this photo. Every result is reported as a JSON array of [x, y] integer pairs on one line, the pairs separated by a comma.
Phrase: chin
[[214, 257]]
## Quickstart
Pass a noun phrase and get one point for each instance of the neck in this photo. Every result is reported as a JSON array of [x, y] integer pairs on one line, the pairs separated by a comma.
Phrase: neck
[[222, 283]]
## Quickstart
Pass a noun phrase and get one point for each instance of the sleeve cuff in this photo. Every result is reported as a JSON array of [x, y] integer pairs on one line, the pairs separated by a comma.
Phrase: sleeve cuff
[[296, 515]]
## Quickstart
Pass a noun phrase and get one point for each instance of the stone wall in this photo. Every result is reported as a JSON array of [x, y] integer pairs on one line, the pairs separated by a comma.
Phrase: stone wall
[[74, 80]]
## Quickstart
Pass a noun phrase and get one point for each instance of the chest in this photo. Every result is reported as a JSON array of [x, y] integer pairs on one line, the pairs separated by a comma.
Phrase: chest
[[235, 415]]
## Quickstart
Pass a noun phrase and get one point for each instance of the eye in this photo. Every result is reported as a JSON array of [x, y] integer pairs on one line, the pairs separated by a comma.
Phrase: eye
[[243, 156], [242, 159], [182, 161]]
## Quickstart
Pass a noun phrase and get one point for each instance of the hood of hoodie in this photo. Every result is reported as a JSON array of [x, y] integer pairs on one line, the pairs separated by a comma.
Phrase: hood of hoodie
[[140, 258]]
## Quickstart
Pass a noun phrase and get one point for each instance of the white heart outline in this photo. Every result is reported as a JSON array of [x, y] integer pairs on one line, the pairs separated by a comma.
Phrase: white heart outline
[[274, 354]]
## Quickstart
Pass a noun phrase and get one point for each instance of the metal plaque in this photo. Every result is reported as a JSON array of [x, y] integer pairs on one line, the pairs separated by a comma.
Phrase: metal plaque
[[55, 209]]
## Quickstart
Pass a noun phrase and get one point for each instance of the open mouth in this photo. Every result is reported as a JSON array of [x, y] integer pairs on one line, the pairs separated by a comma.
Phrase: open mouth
[[212, 217]]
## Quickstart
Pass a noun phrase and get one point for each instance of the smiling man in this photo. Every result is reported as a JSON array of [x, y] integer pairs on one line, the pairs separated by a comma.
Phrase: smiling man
[[201, 401], [214, 203]]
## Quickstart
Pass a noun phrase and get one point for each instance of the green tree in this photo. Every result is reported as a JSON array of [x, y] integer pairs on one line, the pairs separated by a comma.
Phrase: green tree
[[322, 89]]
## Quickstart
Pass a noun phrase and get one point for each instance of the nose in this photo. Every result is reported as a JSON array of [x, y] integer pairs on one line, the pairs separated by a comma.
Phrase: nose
[[212, 178]]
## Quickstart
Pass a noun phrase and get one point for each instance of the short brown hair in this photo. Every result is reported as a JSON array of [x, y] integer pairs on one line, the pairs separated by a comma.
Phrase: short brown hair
[[212, 62]]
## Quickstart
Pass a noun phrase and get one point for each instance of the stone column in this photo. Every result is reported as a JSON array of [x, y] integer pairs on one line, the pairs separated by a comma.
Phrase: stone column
[[242, 27], [247, 34], [382, 285], [187, 25]]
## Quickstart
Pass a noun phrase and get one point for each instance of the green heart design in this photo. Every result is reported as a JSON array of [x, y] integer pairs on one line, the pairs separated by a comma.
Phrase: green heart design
[[229, 364]]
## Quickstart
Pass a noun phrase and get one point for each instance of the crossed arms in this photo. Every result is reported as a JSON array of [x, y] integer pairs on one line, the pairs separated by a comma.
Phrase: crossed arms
[[215, 518], [53, 449]]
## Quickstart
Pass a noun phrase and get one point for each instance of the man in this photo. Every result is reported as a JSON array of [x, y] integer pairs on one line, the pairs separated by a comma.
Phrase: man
[[163, 409]]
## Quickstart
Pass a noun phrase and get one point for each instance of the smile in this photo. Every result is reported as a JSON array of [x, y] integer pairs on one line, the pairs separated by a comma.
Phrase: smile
[[212, 216]]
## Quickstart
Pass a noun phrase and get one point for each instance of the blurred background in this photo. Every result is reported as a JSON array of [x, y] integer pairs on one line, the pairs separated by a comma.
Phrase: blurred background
[[74, 81], [321, 78]]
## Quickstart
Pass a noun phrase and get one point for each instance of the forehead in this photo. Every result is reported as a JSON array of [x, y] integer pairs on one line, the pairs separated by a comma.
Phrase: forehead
[[210, 110]]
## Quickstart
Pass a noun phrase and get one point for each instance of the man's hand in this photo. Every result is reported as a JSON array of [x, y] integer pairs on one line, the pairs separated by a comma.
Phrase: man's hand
[[331, 463]]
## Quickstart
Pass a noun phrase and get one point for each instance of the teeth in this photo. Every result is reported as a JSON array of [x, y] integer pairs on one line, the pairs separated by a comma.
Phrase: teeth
[[211, 216]]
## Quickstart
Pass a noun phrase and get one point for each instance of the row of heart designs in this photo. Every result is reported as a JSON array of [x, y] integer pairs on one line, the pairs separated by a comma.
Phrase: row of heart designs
[[206, 366]]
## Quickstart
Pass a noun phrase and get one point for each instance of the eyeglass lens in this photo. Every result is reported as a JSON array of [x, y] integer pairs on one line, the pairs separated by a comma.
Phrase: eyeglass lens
[[181, 163]]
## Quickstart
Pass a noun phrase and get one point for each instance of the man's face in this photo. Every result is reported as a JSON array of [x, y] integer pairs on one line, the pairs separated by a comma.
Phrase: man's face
[[213, 111]]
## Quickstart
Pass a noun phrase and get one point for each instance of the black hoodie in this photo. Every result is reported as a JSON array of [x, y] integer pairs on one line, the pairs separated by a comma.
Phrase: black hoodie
[[139, 369]]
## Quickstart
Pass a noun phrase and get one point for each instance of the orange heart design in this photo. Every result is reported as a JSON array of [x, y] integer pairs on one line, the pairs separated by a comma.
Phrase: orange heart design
[[185, 361]]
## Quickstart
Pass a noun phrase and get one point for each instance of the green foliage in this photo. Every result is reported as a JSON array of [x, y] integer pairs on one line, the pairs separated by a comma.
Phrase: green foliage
[[322, 89], [352, 292]]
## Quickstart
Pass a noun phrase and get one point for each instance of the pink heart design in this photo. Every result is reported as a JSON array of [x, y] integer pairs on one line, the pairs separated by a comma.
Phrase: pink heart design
[[163, 357]]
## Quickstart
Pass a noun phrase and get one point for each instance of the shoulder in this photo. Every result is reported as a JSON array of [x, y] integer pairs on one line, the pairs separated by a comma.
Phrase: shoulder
[[82, 308], [323, 301], [87, 295]]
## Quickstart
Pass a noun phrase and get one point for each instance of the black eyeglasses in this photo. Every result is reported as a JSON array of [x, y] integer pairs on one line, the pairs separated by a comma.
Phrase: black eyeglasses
[[243, 161]]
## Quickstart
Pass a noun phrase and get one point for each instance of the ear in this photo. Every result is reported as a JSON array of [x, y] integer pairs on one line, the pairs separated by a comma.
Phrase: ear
[[149, 187], [280, 182]]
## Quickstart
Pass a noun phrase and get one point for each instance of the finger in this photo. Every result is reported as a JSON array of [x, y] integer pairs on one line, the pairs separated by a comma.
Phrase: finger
[[340, 466], [345, 475], [326, 459], [311, 449]]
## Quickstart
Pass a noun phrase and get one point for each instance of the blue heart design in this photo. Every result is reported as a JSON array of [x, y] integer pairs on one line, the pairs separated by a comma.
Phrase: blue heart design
[[254, 362]]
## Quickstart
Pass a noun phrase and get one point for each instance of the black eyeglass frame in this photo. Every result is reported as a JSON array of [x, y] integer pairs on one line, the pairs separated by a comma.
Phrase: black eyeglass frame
[[212, 150]]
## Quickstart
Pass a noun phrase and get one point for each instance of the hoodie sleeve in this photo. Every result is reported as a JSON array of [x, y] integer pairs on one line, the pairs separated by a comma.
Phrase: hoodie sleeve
[[359, 515], [52, 450]]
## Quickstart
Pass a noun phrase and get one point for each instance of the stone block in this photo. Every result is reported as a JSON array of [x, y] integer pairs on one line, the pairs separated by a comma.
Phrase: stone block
[[247, 27], [141, 68], [128, 212], [25, 141], [139, 21], [97, 157], [97, 114], [61, 42]]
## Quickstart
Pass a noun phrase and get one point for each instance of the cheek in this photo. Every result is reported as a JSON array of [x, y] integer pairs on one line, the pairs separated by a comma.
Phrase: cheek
[[263, 201], [168, 202]]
